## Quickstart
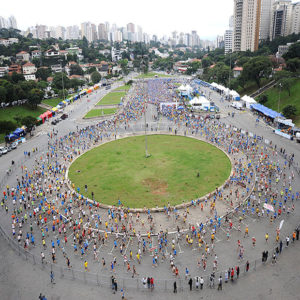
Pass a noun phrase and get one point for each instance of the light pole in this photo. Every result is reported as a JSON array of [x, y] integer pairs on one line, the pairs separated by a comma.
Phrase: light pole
[[62, 79], [229, 69], [280, 86]]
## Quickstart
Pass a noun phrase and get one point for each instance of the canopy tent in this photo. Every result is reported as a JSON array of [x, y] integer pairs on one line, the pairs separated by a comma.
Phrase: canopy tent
[[89, 91], [65, 102], [287, 122], [248, 101], [234, 95], [76, 97], [199, 101], [266, 111]]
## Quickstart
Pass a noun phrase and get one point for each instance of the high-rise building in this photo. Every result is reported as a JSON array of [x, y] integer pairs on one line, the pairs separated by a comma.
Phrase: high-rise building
[[246, 25], [41, 32], [60, 32], [102, 33], [237, 31], [195, 39], [295, 22], [12, 22], [94, 34], [228, 39], [72, 32], [89, 31], [131, 27], [265, 19], [220, 41], [281, 18]]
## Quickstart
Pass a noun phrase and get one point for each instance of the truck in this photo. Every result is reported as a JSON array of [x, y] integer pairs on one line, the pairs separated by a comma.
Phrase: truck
[[298, 137]]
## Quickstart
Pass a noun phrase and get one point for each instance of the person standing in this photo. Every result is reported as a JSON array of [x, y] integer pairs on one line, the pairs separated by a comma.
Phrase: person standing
[[52, 277], [220, 283], [175, 287], [191, 283], [201, 282]]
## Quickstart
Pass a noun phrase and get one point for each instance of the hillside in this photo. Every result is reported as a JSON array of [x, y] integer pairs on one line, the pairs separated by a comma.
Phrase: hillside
[[285, 99]]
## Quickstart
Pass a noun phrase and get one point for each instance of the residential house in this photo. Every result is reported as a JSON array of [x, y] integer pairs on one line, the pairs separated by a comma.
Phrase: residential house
[[22, 56], [237, 71], [29, 68], [3, 71], [8, 42], [51, 53], [14, 68], [36, 54], [56, 68]]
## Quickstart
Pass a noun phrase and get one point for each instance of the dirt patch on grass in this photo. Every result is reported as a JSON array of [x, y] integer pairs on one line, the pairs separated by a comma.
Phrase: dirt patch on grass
[[156, 186]]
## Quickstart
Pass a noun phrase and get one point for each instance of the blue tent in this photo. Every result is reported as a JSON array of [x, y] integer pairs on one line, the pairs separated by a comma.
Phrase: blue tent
[[19, 132], [266, 111], [11, 137]]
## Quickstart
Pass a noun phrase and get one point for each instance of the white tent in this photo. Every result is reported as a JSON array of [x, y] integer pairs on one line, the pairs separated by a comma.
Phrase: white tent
[[235, 95], [248, 101], [199, 102]]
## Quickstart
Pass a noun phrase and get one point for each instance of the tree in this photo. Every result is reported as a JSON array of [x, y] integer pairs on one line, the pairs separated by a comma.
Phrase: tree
[[75, 83], [96, 77], [35, 97], [294, 51], [42, 85], [2, 94], [257, 68], [193, 67], [43, 73], [62, 94], [206, 62], [289, 111], [263, 99], [76, 70], [15, 77], [57, 81], [293, 64], [91, 70], [286, 84], [124, 63], [29, 122]]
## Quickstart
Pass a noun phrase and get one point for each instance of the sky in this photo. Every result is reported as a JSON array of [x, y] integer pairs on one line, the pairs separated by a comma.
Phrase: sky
[[209, 17]]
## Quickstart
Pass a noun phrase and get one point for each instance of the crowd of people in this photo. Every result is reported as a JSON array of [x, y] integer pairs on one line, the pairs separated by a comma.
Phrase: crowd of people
[[51, 216]]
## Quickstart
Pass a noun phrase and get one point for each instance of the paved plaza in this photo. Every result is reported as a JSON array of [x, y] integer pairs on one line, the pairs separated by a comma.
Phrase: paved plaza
[[51, 227]]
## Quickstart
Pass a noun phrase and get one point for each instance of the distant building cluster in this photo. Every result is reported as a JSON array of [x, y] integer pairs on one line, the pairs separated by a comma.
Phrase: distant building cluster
[[10, 22], [257, 20]]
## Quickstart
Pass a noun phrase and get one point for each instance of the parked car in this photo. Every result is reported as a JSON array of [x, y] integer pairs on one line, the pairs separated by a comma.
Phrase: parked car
[[3, 150], [54, 122], [9, 148], [13, 145], [64, 116]]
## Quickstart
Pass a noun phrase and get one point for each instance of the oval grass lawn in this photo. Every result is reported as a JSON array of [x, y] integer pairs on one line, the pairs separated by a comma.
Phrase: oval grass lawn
[[119, 170]]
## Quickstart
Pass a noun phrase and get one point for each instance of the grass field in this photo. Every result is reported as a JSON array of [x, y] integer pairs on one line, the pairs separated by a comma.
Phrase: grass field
[[119, 170], [285, 99], [151, 75], [123, 88], [8, 114], [112, 98], [52, 102], [100, 112]]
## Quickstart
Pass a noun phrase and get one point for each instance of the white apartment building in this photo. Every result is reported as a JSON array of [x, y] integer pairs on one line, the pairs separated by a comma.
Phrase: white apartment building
[[246, 25], [295, 21], [265, 19], [250, 25], [228, 40], [29, 68]]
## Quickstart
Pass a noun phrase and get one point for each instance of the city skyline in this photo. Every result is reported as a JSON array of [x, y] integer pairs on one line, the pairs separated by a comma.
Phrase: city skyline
[[159, 18]]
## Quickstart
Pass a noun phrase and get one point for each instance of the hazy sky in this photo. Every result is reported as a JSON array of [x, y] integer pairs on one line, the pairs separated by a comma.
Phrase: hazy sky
[[208, 17]]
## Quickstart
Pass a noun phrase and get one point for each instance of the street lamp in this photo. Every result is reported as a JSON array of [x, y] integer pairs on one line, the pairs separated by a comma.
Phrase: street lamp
[[280, 86], [62, 79]]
